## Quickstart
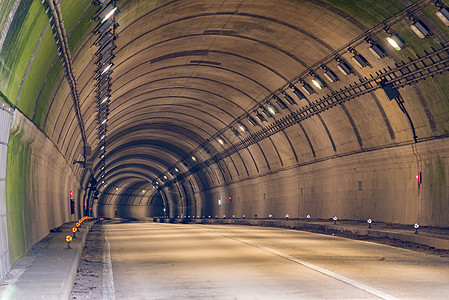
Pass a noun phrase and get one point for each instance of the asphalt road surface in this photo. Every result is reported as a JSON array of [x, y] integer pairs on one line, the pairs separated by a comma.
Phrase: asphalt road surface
[[178, 261]]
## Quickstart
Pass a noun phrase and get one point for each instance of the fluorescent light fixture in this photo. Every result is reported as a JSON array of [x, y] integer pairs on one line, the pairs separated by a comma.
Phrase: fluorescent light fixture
[[419, 29], [107, 12], [221, 141], [252, 121], [104, 121], [242, 128], [331, 76], [176, 170], [344, 68], [106, 49], [143, 191], [266, 112], [102, 156], [443, 15], [289, 99], [102, 147], [104, 26], [298, 93], [102, 137], [308, 89], [272, 109], [281, 103], [103, 79], [116, 188], [165, 177], [318, 83], [105, 39], [106, 69], [260, 117], [377, 51], [104, 100], [105, 58], [193, 158], [359, 60], [396, 42]]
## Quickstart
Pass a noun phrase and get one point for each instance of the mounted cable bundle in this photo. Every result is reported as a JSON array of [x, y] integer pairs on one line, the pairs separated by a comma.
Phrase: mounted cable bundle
[[66, 60]]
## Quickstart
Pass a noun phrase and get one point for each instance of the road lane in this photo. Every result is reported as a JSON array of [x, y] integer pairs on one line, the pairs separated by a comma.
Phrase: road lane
[[178, 261]]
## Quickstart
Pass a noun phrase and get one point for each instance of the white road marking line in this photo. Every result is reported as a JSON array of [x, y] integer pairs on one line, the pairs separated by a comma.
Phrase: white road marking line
[[326, 272], [108, 277]]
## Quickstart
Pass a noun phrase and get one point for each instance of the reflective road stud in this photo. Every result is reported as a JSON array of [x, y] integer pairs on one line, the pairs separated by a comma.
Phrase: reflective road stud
[[68, 239]]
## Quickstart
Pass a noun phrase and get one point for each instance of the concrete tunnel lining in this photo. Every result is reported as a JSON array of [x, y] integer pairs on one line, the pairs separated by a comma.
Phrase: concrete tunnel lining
[[188, 72]]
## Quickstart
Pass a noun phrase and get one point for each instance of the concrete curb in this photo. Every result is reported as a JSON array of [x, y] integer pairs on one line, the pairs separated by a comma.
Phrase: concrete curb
[[49, 270], [66, 287], [437, 241]]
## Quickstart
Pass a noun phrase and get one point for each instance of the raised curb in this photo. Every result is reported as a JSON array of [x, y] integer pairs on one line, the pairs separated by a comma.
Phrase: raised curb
[[66, 288], [437, 241], [51, 273]]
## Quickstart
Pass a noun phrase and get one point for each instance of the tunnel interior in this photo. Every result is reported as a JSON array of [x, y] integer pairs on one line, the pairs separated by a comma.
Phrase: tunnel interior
[[219, 109]]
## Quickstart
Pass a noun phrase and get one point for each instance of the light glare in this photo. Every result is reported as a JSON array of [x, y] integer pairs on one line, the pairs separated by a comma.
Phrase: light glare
[[109, 14], [393, 43]]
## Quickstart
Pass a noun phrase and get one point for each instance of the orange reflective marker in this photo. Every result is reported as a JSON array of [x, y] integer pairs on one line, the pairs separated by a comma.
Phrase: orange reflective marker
[[68, 239], [77, 224], [74, 230]]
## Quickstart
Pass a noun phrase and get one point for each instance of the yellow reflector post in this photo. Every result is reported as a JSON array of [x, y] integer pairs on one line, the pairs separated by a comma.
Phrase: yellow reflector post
[[68, 239]]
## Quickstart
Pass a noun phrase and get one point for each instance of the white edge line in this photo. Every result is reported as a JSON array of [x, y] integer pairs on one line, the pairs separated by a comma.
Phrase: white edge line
[[339, 277], [108, 277]]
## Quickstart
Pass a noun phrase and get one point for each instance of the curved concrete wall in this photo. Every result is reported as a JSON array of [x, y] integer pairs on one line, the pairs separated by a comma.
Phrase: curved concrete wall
[[38, 183], [380, 185], [5, 119]]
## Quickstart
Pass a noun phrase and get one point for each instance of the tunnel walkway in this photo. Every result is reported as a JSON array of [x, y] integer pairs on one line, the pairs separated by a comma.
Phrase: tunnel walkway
[[166, 261]]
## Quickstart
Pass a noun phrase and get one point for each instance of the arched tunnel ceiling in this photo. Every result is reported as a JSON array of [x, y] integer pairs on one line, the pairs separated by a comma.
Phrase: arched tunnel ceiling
[[186, 73]]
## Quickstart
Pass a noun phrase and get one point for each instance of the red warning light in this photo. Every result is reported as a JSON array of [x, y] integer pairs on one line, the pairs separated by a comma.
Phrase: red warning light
[[70, 193], [418, 177], [230, 198]]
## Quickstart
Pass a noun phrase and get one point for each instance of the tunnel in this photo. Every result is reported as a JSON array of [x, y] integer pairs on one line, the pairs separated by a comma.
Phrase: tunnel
[[222, 109]]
